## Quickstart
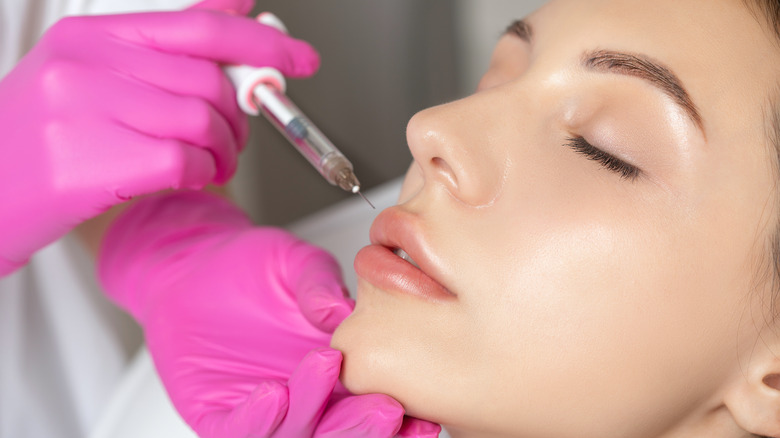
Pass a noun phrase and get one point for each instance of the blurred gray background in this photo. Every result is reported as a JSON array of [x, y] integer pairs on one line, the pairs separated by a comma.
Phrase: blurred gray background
[[382, 61]]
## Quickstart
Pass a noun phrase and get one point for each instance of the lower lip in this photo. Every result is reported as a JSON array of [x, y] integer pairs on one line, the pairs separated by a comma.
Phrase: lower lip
[[381, 267]]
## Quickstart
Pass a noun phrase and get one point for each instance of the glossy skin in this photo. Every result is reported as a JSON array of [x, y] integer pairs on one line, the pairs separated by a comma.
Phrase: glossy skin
[[559, 298]]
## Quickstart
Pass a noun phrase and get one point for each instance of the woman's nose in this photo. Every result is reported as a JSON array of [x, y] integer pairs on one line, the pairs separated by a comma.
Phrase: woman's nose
[[455, 146]]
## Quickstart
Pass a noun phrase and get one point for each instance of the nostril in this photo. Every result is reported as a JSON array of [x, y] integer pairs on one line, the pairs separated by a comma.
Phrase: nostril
[[772, 381], [444, 169]]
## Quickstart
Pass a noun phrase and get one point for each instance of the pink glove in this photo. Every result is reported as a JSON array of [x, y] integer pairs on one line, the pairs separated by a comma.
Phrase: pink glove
[[230, 311], [105, 108]]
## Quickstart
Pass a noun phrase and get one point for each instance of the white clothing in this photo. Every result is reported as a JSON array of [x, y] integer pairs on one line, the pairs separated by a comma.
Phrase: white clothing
[[22, 22], [63, 346]]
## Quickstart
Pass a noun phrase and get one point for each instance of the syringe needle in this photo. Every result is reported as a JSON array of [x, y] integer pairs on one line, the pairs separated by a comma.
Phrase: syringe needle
[[365, 199]]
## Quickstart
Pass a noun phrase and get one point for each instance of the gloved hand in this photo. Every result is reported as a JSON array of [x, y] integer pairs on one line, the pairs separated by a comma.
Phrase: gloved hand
[[229, 311], [105, 108]]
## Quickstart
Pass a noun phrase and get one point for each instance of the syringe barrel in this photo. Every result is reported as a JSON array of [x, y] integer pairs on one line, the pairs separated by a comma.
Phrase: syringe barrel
[[301, 132]]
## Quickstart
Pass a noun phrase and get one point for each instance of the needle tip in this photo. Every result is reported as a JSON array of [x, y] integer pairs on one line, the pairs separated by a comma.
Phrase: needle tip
[[365, 199]]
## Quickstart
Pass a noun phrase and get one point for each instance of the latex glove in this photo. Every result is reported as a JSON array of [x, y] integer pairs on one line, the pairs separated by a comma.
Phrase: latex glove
[[229, 311], [105, 108]]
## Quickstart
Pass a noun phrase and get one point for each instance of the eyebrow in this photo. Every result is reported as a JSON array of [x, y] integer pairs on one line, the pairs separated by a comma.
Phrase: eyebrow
[[521, 29], [643, 67], [628, 64]]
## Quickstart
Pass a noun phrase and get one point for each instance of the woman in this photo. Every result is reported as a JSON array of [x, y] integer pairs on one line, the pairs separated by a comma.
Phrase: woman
[[596, 232]]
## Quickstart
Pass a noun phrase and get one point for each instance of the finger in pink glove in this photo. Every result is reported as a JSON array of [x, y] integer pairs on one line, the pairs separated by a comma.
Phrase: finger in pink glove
[[384, 417], [416, 428], [265, 412]]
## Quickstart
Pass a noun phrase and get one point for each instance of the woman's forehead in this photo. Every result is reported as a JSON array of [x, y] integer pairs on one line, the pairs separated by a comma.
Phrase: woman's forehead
[[725, 56]]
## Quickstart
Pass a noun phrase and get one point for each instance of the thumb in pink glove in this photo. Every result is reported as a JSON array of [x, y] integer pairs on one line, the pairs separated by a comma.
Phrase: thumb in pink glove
[[230, 311], [105, 108]]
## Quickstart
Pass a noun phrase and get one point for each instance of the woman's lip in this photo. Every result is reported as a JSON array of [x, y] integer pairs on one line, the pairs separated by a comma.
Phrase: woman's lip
[[378, 265]]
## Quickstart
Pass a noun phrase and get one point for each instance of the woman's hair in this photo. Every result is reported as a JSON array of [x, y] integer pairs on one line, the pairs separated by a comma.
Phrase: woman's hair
[[771, 11], [768, 11]]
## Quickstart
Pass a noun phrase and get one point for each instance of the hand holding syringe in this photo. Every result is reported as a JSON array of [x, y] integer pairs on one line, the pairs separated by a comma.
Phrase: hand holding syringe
[[261, 90]]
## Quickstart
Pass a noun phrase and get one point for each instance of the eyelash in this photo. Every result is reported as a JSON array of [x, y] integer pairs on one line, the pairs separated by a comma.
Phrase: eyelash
[[610, 162]]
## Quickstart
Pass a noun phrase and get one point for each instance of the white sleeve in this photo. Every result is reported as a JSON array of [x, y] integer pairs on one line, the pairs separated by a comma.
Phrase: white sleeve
[[64, 346], [22, 22], [114, 6]]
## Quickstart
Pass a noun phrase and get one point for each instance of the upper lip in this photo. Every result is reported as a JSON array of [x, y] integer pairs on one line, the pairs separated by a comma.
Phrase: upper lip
[[394, 228]]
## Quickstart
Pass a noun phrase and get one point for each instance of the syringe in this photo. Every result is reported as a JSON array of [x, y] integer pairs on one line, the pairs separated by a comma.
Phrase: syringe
[[262, 90]]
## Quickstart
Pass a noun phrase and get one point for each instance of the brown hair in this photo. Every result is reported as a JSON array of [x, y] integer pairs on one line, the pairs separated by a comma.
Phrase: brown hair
[[768, 13]]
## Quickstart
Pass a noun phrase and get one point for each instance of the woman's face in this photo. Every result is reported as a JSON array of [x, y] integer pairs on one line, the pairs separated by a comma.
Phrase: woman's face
[[589, 225]]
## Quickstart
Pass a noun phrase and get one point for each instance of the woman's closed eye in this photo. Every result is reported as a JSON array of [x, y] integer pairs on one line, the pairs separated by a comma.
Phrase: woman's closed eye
[[624, 170]]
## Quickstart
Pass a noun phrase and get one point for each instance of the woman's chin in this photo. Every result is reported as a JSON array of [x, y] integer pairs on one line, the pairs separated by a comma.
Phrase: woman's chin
[[386, 351], [356, 373]]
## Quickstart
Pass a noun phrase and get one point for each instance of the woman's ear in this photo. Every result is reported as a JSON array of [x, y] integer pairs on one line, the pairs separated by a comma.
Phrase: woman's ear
[[754, 397]]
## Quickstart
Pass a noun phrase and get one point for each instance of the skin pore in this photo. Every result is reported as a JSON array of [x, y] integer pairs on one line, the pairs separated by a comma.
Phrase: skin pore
[[593, 228]]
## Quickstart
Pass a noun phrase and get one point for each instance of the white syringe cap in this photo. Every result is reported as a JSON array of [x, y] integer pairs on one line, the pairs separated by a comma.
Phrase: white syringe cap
[[247, 79], [272, 20]]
